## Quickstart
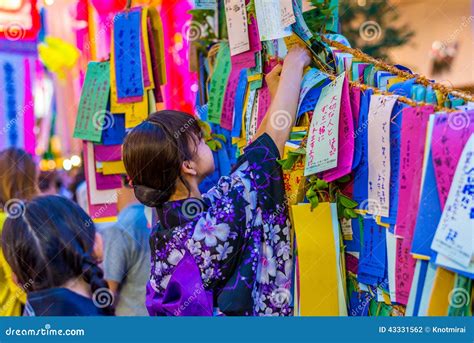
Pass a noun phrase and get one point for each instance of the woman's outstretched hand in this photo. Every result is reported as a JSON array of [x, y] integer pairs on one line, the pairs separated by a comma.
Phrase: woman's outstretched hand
[[284, 83]]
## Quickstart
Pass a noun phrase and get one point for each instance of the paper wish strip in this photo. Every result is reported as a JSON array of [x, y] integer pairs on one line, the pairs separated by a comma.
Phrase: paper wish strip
[[92, 110], [237, 28], [269, 20], [455, 233], [379, 153], [128, 62], [322, 145]]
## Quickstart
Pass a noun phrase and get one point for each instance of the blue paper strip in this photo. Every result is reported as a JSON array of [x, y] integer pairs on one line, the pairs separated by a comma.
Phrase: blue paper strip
[[128, 64]]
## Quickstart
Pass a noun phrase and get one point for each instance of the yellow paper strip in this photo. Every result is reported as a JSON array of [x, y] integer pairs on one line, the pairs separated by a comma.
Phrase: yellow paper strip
[[114, 167], [317, 260], [443, 284]]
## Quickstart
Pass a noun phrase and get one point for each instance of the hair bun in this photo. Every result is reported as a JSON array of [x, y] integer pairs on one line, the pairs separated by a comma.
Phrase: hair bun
[[149, 196]]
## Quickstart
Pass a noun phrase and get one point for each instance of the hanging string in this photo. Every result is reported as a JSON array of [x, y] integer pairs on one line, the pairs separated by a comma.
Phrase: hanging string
[[400, 98], [394, 70]]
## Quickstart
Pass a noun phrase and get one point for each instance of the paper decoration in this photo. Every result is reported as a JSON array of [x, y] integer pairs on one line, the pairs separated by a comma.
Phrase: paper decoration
[[237, 29], [300, 27], [455, 232], [269, 20], [450, 134], [372, 259], [379, 153], [322, 143], [439, 299], [286, 12], [115, 132], [311, 79], [128, 62], [205, 4], [404, 270], [95, 196], [108, 152], [346, 139], [92, 112], [316, 252], [218, 85], [413, 134]]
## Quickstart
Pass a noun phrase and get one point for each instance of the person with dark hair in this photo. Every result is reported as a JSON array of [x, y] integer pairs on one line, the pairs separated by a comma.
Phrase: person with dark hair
[[52, 247], [227, 251], [18, 182]]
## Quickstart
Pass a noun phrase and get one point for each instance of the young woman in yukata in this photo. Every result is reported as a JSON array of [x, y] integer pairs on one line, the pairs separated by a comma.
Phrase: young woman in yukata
[[227, 251]]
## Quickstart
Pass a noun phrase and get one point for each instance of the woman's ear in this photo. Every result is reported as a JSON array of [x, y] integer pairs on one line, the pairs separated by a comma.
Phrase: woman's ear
[[98, 251], [187, 168]]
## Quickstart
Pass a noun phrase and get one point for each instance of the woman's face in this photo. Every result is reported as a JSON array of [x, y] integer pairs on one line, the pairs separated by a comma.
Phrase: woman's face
[[204, 161]]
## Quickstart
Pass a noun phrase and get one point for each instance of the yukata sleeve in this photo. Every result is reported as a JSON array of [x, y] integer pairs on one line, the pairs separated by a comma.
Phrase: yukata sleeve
[[259, 165]]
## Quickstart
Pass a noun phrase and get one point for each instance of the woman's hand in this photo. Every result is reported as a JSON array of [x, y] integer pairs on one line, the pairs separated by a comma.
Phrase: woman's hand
[[298, 57], [273, 79], [281, 115]]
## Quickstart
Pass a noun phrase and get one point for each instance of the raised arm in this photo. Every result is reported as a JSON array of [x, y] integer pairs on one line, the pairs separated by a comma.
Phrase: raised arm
[[281, 115]]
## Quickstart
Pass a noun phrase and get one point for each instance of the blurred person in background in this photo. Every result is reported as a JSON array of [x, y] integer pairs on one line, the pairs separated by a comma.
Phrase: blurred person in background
[[18, 182], [126, 252]]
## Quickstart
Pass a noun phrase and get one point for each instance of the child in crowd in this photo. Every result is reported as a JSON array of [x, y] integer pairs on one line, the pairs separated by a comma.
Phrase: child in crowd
[[227, 251], [18, 182], [53, 251], [127, 255]]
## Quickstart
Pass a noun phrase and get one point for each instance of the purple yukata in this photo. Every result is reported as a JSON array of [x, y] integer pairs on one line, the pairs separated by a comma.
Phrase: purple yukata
[[230, 252]]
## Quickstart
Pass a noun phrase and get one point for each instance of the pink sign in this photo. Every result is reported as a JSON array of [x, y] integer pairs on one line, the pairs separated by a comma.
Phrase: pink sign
[[413, 135], [450, 134]]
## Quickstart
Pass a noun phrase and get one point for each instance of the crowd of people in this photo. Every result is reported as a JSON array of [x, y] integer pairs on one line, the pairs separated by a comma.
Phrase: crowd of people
[[54, 260]]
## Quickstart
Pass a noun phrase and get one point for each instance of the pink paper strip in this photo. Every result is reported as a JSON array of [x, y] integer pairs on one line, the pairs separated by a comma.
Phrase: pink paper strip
[[227, 116], [345, 154], [412, 147], [264, 101], [28, 115], [98, 210], [354, 95], [108, 152], [450, 134], [352, 263], [404, 270], [103, 210], [105, 182]]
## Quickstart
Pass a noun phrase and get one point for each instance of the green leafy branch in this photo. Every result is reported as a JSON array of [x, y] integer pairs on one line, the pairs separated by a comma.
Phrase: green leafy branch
[[213, 140], [292, 159]]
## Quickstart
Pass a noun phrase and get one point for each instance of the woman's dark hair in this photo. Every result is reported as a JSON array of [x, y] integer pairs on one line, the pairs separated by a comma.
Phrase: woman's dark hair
[[18, 176], [154, 151], [51, 243]]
